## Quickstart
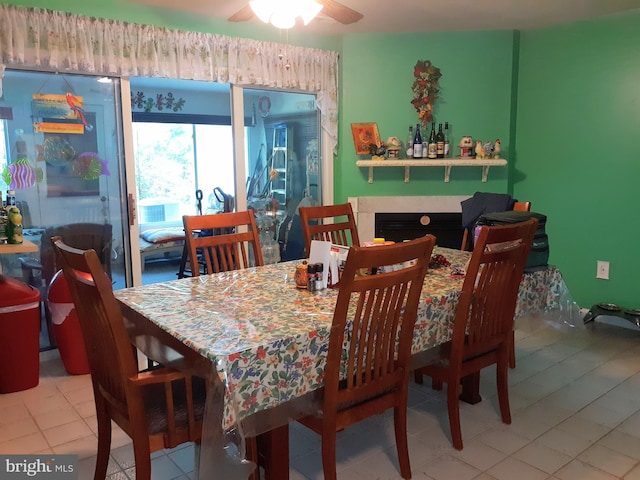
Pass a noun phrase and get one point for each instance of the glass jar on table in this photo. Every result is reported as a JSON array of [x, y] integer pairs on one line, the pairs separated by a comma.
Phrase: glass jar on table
[[266, 224]]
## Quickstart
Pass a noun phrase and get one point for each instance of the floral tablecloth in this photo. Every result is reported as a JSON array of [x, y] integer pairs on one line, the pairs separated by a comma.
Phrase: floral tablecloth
[[269, 339]]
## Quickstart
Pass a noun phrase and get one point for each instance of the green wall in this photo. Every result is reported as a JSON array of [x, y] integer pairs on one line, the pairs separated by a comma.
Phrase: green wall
[[475, 98], [577, 150]]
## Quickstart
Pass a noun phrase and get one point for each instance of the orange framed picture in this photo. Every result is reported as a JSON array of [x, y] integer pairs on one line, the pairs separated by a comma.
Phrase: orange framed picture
[[365, 134]]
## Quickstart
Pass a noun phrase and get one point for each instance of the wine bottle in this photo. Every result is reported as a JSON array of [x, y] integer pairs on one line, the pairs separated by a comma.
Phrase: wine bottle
[[440, 142], [409, 144], [417, 143], [433, 146], [446, 139]]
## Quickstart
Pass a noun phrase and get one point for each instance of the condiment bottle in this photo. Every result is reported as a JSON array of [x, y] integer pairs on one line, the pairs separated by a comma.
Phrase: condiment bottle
[[311, 277], [319, 276]]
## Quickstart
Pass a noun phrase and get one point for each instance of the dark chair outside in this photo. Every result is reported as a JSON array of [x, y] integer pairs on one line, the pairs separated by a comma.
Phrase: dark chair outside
[[84, 236]]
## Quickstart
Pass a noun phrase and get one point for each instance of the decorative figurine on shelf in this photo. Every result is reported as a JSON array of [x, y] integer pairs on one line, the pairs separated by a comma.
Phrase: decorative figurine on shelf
[[496, 149], [480, 152], [488, 150], [377, 151], [393, 147], [466, 146], [13, 229]]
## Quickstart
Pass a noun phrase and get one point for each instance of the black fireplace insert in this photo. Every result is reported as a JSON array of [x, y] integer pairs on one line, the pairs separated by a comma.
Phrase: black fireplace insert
[[447, 227]]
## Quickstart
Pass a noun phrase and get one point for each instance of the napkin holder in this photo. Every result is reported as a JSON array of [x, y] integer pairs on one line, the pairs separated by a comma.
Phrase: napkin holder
[[332, 256]]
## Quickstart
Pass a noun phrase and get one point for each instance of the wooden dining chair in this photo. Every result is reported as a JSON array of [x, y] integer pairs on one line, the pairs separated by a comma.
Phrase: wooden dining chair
[[483, 325], [522, 207], [221, 251], [517, 207], [340, 227], [158, 409], [467, 235], [377, 313]]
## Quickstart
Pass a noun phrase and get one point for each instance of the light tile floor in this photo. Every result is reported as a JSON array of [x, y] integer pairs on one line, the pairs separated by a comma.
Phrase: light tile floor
[[575, 402]]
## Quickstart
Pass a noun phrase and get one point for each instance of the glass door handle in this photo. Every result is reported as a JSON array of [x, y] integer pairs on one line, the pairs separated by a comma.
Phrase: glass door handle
[[132, 210]]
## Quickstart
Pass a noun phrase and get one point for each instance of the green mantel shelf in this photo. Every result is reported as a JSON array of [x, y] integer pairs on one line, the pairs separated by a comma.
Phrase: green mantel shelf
[[447, 163]]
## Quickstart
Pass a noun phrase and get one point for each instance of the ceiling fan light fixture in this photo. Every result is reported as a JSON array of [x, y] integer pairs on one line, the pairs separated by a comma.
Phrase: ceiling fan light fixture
[[308, 10], [283, 20], [262, 9], [283, 13]]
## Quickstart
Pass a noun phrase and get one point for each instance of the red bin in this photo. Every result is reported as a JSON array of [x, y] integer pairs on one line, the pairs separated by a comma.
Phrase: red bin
[[66, 326], [19, 335]]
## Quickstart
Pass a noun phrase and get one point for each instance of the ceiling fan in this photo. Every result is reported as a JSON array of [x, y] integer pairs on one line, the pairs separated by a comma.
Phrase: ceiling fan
[[339, 12]]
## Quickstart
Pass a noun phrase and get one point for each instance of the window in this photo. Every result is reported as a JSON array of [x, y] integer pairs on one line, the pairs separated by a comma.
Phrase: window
[[173, 160]]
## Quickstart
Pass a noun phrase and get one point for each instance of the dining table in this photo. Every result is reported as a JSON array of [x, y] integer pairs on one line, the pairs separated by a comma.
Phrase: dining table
[[261, 343]]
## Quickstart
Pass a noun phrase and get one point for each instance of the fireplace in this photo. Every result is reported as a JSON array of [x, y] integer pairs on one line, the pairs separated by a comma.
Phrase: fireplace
[[447, 227], [404, 217]]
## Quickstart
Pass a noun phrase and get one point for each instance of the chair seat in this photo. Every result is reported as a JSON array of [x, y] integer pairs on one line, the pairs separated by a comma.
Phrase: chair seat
[[318, 398], [156, 409], [440, 356]]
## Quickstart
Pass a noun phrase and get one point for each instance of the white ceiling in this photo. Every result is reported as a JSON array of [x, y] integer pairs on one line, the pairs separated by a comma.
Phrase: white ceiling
[[429, 15]]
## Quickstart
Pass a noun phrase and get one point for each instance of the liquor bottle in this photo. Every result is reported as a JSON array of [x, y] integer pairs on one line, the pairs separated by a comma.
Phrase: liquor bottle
[[11, 197], [446, 139], [409, 144], [433, 147], [417, 143], [440, 142]]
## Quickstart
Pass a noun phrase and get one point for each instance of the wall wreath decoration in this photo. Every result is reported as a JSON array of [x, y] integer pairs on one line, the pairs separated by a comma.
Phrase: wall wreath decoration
[[425, 89], [264, 105]]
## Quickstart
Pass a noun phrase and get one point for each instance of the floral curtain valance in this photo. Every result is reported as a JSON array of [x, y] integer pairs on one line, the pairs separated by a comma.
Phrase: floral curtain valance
[[39, 38]]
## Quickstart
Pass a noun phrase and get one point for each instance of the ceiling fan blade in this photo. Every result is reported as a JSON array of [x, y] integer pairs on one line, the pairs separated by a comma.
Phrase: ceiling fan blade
[[242, 15], [339, 12]]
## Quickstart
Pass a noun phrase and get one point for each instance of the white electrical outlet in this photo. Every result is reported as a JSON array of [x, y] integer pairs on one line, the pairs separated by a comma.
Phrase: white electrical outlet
[[602, 270]]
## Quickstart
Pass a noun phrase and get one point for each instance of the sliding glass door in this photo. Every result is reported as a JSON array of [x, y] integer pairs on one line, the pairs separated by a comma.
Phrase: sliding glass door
[[62, 151], [283, 162], [62, 155], [184, 164]]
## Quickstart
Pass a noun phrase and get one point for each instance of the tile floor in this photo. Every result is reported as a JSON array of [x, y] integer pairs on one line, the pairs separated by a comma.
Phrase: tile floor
[[575, 401]]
